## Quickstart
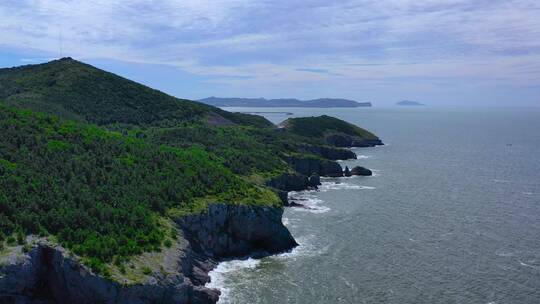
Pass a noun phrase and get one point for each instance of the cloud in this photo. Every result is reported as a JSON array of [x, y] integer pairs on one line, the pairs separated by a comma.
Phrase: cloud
[[258, 42], [316, 71]]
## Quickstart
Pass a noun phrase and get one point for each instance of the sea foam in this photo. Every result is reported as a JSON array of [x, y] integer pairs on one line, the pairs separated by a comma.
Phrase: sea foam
[[218, 276]]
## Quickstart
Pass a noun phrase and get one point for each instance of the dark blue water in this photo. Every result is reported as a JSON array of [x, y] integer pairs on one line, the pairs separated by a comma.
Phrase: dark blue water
[[452, 215]]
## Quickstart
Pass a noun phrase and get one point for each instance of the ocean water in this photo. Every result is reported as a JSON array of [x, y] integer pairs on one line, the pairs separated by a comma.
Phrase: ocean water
[[452, 215]]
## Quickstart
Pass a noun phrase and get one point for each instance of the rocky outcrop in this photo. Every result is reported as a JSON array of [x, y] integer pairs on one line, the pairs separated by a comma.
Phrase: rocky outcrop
[[310, 165], [48, 274], [361, 171], [347, 172], [289, 182], [330, 153], [331, 169], [343, 140], [19, 274], [365, 143], [228, 231], [314, 180]]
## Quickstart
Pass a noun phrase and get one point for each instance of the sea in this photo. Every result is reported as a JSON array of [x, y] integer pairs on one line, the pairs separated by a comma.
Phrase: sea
[[451, 215]]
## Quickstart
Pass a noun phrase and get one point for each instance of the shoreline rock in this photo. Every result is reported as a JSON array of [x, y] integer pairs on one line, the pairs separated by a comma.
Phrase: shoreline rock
[[347, 172], [289, 182], [229, 231], [361, 171], [309, 165], [49, 274]]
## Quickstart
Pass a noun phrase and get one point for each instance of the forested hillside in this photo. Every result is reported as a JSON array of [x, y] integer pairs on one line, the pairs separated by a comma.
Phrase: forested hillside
[[102, 193], [75, 90], [110, 160], [247, 144]]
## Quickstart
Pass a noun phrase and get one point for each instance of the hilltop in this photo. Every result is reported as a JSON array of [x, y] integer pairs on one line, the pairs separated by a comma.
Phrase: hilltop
[[75, 90], [284, 102]]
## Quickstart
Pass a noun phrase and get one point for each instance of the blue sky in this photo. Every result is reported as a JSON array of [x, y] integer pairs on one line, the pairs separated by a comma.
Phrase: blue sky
[[441, 52]]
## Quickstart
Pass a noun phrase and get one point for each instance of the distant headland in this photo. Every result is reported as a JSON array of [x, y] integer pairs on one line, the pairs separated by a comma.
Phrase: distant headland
[[284, 102], [409, 103]]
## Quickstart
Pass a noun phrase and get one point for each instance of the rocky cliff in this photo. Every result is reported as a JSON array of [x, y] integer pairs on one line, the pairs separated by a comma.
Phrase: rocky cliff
[[289, 182], [228, 231], [49, 274], [330, 153], [309, 165], [344, 140]]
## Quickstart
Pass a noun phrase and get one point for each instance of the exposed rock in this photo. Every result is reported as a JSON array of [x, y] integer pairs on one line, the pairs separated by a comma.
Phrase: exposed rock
[[49, 274], [343, 140], [227, 231], [310, 165], [331, 169], [339, 140], [361, 171], [205, 295], [314, 180], [289, 182], [330, 153], [296, 204], [365, 143], [347, 172], [18, 274]]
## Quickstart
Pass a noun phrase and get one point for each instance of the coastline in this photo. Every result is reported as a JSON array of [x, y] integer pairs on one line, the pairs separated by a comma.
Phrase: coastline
[[296, 199], [46, 272]]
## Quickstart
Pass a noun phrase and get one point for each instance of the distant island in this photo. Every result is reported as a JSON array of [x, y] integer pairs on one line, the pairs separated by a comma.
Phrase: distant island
[[284, 102], [409, 103]]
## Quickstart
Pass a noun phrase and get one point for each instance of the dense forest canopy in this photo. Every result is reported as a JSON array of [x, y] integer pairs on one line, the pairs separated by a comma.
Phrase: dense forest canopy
[[317, 127], [75, 90], [102, 192]]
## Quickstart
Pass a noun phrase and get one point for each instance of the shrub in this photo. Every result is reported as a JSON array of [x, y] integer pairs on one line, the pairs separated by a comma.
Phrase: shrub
[[146, 270]]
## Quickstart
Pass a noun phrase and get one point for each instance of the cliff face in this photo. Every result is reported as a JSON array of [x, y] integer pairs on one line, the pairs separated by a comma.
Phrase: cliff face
[[329, 152], [48, 274], [343, 140], [321, 167], [289, 182], [227, 231]]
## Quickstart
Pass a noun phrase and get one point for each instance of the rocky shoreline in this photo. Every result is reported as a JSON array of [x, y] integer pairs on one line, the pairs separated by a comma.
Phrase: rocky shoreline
[[47, 273], [309, 170]]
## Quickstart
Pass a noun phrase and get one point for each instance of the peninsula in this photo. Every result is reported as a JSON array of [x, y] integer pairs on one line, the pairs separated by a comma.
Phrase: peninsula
[[113, 192]]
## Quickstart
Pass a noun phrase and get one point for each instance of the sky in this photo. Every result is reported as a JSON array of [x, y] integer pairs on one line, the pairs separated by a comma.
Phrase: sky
[[439, 52]]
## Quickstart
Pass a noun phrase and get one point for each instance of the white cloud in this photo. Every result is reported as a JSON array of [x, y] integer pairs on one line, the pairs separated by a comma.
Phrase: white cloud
[[270, 42]]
